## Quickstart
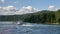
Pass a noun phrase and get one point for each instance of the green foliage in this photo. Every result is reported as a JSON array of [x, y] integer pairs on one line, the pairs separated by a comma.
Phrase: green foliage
[[45, 16], [58, 13], [58, 16], [59, 20], [42, 17]]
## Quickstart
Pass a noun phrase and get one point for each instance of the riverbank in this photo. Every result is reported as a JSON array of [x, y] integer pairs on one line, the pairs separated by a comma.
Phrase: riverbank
[[12, 22]]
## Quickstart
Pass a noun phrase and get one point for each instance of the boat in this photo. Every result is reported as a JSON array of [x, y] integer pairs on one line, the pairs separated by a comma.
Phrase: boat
[[19, 23]]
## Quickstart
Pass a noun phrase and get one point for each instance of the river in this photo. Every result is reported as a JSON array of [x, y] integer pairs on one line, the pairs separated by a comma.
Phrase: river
[[29, 29]]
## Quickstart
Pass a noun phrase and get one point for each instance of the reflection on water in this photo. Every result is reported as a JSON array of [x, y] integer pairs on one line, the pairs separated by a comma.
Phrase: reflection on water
[[33, 29]]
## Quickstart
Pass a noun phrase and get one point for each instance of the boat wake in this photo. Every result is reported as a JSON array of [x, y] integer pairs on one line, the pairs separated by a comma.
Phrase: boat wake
[[27, 24]]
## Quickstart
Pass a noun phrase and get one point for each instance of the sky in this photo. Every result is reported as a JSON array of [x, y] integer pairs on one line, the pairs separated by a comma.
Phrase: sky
[[40, 4], [30, 4]]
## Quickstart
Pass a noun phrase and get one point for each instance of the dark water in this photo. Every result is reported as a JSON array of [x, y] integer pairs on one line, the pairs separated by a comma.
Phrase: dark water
[[30, 29]]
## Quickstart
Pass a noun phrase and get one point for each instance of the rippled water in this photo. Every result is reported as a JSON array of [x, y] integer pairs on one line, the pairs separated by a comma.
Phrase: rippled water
[[30, 29]]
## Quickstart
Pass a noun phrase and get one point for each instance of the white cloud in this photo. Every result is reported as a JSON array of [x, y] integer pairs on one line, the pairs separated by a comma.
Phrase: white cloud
[[26, 9], [2, 1], [57, 9], [52, 8], [1, 8], [11, 10]]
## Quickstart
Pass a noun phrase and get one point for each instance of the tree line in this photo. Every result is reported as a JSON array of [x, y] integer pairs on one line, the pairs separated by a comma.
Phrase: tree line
[[44, 16]]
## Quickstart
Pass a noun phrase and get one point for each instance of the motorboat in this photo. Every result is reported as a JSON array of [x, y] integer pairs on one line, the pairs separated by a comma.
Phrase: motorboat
[[19, 23]]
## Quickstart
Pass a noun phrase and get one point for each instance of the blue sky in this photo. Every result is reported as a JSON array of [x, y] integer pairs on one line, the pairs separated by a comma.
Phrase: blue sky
[[39, 4]]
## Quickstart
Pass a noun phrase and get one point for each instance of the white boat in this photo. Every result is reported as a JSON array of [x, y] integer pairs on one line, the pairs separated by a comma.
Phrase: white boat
[[19, 23]]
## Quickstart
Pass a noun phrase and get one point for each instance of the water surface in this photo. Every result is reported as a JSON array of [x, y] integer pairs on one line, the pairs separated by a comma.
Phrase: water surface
[[29, 29]]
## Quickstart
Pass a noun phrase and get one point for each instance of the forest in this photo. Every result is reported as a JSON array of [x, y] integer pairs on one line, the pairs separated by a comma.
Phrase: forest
[[44, 17]]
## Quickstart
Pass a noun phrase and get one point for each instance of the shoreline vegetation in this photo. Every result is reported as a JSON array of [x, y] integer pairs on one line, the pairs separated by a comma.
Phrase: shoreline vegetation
[[43, 17]]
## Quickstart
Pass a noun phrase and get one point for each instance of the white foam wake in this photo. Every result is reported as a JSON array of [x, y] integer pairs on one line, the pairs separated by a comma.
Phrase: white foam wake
[[27, 24]]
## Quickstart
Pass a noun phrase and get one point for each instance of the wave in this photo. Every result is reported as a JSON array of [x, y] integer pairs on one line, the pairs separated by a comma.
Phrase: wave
[[27, 24]]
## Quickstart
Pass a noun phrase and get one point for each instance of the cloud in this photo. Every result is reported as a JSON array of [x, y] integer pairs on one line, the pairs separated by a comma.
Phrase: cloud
[[1, 8], [52, 8], [2, 1], [11, 10], [26, 9]]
